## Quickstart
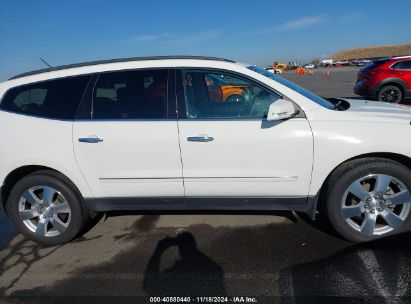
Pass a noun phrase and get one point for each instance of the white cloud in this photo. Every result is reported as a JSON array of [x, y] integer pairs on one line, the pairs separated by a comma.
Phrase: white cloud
[[149, 37], [192, 38], [302, 22], [167, 38]]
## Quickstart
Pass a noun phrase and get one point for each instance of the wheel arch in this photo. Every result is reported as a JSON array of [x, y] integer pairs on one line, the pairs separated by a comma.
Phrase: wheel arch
[[399, 83], [18, 173], [320, 197]]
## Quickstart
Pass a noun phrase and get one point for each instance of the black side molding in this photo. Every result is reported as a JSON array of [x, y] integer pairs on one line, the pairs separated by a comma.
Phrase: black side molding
[[298, 203]]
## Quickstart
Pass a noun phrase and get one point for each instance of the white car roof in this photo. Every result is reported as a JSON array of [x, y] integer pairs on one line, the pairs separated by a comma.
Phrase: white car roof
[[118, 60]]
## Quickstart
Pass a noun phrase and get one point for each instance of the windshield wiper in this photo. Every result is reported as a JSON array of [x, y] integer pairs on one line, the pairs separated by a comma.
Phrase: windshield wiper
[[338, 104]]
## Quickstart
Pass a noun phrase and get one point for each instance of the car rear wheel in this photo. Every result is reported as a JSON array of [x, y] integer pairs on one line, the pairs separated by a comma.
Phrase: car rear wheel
[[46, 208], [369, 198], [390, 94]]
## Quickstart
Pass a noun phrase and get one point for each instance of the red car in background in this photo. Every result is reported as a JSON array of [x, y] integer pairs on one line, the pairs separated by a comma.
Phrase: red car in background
[[387, 80]]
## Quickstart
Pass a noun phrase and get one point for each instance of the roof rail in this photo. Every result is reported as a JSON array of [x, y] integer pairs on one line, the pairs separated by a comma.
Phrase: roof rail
[[83, 64], [401, 57]]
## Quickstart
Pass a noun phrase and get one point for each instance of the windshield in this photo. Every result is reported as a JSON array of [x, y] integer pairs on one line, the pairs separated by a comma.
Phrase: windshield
[[317, 99]]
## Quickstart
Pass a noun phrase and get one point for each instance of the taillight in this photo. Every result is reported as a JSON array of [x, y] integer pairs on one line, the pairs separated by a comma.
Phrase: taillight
[[372, 73], [367, 74]]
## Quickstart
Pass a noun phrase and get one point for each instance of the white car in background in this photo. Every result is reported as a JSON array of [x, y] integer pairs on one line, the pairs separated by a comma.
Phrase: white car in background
[[196, 133], [327, 62], [309, 66]]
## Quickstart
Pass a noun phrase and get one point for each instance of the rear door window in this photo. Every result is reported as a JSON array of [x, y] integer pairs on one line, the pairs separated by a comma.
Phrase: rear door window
[[57, 99], [131, 95]]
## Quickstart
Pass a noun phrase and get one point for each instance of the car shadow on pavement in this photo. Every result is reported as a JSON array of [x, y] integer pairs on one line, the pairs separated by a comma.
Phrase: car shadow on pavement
[[194, 274], [373, 272], [7, 229], [195, 260], [282, 262]]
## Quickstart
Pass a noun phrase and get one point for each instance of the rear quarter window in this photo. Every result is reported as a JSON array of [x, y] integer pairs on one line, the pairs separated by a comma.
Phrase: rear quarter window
[[402, 65], [57, 99]]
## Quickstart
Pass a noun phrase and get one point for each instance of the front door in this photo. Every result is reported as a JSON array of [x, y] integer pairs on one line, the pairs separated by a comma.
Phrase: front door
[[229, 149]]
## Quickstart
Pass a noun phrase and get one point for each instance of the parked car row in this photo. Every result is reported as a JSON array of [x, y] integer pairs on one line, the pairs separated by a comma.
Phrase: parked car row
[[354, 62]]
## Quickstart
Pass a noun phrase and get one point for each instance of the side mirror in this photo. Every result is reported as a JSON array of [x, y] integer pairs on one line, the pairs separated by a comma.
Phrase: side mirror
[[281, 109]]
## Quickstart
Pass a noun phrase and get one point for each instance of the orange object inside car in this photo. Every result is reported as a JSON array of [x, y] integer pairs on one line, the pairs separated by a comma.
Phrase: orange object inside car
[[220, 92]]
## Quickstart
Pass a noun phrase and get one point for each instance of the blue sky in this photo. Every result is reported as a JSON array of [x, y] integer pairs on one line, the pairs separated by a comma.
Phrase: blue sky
[[251, 31]]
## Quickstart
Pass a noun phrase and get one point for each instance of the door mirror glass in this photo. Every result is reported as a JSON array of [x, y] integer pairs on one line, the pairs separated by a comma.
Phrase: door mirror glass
[[281, 109]]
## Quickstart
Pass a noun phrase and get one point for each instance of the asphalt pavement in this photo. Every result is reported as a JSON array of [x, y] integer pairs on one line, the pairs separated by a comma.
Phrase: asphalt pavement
[[280, 257], [330, 82], [327, 82]]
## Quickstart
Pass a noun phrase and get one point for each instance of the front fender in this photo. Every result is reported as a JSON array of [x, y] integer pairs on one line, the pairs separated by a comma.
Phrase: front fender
[[339, 142]]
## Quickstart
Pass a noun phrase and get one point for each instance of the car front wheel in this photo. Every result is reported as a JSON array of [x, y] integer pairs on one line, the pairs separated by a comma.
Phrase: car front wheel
[[369, 198]]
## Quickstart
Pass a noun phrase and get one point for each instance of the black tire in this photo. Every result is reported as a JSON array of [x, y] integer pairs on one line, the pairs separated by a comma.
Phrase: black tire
[[390, 93], [348, 173], [79, 215]]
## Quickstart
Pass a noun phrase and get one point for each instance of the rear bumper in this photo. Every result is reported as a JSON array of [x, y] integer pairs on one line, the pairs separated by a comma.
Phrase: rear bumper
[[2, 204], [364, 90]]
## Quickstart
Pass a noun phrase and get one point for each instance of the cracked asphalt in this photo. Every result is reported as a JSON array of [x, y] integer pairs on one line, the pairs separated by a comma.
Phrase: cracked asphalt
[[278, 257]]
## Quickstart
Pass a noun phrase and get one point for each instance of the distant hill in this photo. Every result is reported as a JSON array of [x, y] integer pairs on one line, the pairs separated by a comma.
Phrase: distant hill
[[374, 51]]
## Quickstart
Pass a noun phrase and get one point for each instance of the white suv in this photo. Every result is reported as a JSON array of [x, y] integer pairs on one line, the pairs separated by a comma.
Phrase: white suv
[[196, 133]]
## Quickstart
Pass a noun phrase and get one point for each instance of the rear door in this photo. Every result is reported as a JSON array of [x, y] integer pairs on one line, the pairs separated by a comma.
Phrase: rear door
[[228, 147], [403, 71], [126, 141]]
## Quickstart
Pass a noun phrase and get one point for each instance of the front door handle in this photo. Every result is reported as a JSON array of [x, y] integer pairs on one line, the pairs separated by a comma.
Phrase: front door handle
[[90, 140], [200, 138]]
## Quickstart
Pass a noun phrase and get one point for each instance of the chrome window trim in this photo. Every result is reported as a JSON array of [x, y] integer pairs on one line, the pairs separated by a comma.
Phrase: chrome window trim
[[179, 119]]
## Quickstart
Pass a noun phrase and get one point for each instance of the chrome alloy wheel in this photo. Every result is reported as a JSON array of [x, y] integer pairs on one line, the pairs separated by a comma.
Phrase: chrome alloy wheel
[[376, 204], [44, 211]]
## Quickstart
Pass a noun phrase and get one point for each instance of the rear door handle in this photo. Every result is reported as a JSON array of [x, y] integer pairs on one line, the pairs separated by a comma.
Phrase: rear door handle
[[90, 140], [200, 138]]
